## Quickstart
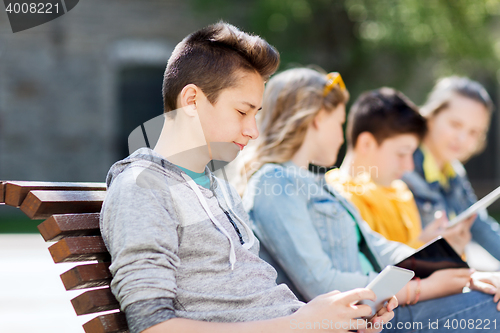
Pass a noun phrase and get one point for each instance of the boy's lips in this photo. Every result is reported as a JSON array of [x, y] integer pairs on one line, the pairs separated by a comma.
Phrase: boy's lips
[[239, 145]]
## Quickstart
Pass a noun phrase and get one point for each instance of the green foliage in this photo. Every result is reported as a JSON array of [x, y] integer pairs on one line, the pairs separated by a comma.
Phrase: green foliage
[[18, 224], [452, 30], [406, 44]]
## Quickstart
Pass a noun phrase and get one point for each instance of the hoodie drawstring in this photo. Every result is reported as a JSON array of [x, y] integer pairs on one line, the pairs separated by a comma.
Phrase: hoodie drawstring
[[192, 184], [251, 237]]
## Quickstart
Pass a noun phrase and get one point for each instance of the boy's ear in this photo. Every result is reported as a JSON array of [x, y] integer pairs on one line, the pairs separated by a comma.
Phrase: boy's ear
[[430, 123], [187, 99], [366, 143]]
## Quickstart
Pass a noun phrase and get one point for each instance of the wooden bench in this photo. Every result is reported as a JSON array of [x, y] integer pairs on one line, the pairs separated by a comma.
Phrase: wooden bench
[[71, 219]]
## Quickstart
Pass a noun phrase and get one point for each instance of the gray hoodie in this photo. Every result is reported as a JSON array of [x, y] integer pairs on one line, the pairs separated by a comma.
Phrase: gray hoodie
[[169, 259]]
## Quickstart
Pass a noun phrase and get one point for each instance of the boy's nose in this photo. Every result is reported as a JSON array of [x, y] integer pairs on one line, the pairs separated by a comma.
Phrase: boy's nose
[[251, 129], [409, 165]]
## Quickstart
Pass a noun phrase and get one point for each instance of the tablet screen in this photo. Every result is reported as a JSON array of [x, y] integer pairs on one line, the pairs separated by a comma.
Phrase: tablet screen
[[433, 256]]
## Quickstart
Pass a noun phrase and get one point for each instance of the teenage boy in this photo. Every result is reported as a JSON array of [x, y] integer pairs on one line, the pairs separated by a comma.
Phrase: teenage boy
[[384, 129], [184, 258]]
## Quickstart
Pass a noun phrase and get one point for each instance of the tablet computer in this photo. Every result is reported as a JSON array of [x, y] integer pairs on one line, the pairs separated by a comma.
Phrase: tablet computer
[[481, 204], [433, 256]]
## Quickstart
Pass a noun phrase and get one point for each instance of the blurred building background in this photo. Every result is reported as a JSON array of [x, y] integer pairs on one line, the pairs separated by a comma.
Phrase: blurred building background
[[71, 90]]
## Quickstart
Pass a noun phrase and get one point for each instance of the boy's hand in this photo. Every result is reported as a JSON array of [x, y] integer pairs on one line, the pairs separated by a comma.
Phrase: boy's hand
[[382, 317], [434, 229], [340, 312], [459, 235]]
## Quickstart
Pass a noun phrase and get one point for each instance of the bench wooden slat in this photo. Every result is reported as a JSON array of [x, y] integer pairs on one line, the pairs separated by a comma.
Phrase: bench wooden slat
[[42, 204], [59, 226], [96, 300], [72, 211], [109, 323], [73, 249], [16, 191], [87, 276]]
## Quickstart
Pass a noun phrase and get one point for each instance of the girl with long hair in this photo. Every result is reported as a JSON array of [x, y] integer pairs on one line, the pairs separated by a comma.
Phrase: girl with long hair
[[315, 235]]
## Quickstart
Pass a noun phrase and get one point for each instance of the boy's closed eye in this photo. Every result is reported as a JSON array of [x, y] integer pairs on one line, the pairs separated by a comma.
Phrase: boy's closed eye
[[456, 124]]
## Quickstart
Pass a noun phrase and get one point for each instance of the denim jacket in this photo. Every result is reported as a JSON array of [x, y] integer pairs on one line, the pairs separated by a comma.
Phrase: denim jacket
[[309, 230], [431, 197]]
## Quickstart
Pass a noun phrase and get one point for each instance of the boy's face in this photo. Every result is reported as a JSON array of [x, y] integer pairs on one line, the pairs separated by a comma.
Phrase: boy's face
[[392, 158], [230, 123]]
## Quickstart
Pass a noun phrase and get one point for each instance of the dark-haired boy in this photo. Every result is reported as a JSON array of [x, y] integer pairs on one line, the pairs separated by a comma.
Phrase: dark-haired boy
[[184, 258], [384, 129]]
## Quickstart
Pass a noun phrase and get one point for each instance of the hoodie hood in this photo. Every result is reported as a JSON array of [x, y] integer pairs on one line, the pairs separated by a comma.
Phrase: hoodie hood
[[149, 159], [147, 163]]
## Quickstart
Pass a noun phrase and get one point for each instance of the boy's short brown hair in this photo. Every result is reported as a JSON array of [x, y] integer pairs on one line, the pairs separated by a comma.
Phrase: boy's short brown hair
[[384, 113], [210, 58]]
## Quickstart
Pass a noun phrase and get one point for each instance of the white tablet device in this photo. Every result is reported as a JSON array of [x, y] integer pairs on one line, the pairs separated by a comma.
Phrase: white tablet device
[[481, 204], [387, 284]]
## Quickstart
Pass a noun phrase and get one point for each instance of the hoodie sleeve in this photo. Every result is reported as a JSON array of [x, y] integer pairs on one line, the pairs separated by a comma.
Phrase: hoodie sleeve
[[139, 228]]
